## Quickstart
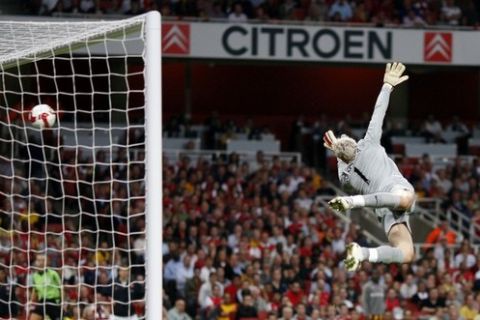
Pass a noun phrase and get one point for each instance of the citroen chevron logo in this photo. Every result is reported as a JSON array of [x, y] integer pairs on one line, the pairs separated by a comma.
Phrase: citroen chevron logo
[[176, 38], [437, 47]]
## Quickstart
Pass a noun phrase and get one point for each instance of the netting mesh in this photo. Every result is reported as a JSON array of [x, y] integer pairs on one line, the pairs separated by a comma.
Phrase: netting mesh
[[72, 198]]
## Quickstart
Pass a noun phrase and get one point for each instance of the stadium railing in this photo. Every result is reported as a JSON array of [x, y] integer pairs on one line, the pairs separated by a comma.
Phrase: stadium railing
[[464, 226], [433, 205], [432, 149], [421, 247], [272, 146], [182, 143], [468, 227], [174, 155]]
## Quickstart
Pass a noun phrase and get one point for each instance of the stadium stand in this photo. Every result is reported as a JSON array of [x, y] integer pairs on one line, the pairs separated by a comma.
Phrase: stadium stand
[[410, 14], [92, 283], [292, 259], [241, 226]]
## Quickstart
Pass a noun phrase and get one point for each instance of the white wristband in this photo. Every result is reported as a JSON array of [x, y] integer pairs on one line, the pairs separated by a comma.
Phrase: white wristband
[[387, 86]]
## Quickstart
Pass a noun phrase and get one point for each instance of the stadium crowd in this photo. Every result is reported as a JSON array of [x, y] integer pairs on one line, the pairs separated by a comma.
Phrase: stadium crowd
[[241, 240], [406, 13], [250, 242], [57, 216]]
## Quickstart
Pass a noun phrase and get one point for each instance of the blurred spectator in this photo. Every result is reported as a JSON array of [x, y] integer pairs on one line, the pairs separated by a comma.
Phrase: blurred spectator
[[458, 126], [453, 313], [296, 135], [341, 9], [228, 308], [260, 303], [461, 134], [178, 312], [408, 288], [432, 130], [469, 9], [392, 301], [287, 9], [412, 20], [442, 231], [287, 313], [8, 298], [246, 308], [207, 269], [469, 310], [184, 272], [170, 275], [260, 14], [207, 288], [192, 289], [89, 313], [136, 8], [317, 11], [46, 290], [443, 181], [48, 6], [374, 296], [422, 294], [87, 6], [301, 312], [465, 256], [433, 303], [451, 14], [211, 309], [125, 293], [318, 150], [295, 295], [237, 14]]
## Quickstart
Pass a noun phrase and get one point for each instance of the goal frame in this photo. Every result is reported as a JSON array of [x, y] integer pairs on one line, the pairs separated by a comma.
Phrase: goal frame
[[153, 174], [152, 55]]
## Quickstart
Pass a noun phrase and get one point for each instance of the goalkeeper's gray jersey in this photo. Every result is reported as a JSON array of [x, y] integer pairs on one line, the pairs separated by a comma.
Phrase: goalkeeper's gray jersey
[[372, 170]]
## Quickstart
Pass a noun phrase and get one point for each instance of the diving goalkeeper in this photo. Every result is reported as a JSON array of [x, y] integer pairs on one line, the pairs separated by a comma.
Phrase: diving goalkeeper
[[366, 167]]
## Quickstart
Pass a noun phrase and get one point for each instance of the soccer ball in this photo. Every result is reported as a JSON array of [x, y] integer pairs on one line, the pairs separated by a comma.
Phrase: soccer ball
[[42, 116]]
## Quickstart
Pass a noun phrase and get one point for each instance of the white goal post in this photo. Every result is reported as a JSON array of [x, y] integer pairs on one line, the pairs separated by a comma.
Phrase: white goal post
[[82, 199]]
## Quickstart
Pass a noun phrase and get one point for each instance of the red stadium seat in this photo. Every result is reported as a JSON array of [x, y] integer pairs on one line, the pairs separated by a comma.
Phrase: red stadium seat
[[399, 149], [299, 14], [262, 315]]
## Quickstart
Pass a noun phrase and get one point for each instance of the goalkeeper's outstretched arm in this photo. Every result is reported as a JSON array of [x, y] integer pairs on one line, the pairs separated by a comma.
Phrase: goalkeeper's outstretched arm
[[393, 77]]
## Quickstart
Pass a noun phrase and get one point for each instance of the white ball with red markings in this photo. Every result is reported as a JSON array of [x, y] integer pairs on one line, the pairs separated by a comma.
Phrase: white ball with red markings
[[42, 116]]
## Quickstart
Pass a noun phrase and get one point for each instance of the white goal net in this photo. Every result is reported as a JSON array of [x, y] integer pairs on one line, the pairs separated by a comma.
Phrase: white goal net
[[73, 197]]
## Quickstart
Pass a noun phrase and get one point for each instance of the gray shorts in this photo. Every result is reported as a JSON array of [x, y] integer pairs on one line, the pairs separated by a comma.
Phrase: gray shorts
[[389, 218]]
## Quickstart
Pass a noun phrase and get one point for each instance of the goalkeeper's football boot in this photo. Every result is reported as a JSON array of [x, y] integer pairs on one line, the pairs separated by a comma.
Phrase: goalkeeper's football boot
[[354, 257], [341, 204]]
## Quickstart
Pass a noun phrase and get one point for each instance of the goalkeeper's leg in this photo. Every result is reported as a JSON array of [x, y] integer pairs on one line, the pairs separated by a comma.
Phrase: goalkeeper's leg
[[399, 199], [400, 249]]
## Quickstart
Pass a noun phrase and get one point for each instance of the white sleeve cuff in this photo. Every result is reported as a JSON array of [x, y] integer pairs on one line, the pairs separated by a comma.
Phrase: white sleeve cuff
[[387, 86]]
